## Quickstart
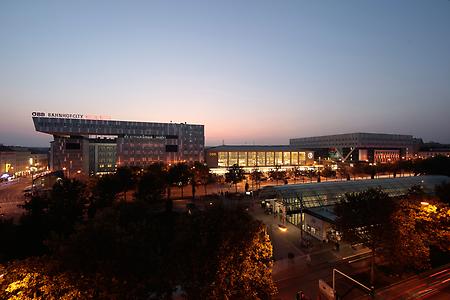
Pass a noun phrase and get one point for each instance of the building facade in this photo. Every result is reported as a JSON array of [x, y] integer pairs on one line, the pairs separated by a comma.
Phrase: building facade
[[20, 161], [263, 158], [93, 146], [371, 147]]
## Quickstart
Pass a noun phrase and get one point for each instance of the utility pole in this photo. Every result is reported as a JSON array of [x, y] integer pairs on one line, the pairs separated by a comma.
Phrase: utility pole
[[371, 289], [301, 218]]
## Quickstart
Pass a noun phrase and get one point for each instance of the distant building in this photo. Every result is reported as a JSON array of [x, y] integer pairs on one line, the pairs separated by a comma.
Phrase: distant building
[[371, 147], [94, 146], [264, 158], [428, 150], [19, 161]]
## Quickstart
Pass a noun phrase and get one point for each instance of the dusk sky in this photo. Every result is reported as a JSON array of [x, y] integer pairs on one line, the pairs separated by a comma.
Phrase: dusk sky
[[251, 71]]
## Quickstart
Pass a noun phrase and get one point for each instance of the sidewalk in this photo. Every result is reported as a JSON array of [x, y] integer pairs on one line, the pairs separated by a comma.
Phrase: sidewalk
[[308, 264]]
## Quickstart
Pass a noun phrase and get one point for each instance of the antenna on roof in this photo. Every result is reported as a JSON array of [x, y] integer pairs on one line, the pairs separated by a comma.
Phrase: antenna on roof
[[223, 142]]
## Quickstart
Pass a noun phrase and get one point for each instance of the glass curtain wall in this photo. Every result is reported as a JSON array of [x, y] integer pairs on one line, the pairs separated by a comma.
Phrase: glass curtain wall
[[261, 159], [243, 159], [251, 159]]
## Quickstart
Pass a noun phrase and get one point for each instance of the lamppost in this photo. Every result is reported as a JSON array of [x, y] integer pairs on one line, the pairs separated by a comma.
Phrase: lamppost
[[301, 218]]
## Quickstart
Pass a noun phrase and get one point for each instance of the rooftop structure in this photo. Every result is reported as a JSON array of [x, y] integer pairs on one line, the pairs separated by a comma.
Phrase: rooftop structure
[[328, 193], [297, 197]]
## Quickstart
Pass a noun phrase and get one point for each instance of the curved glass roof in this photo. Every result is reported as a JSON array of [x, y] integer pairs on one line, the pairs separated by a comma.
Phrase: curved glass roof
[[328, 193]]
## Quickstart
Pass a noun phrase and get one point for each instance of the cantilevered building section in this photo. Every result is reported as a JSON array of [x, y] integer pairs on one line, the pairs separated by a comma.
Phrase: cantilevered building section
[[86, 146], [373, 147]]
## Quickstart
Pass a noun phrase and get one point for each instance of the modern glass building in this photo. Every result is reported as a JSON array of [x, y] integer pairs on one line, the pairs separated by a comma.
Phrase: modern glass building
[[294, 198], [361, 146], [263, 158], [92, 146]]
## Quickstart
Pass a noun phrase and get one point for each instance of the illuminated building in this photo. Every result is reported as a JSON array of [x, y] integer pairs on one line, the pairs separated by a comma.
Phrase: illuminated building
[[20, 161], [264, 158], [371, 147], [91, 146], [312, 205]]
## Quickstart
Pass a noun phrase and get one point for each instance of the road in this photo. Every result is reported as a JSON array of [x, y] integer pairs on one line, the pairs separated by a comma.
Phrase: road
[[434, 284], [11, 195], [296, 274], [302, 273]]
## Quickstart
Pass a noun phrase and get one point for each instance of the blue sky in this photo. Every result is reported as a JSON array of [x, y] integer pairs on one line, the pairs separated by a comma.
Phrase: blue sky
[[251, 71]]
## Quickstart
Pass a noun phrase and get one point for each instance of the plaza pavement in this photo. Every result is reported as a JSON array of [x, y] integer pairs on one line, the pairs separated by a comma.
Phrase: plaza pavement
[[295, 274]]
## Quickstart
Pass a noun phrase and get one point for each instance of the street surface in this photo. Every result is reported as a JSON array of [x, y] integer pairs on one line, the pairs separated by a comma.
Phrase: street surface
[[303, 271], [11, 195], [433, 284]]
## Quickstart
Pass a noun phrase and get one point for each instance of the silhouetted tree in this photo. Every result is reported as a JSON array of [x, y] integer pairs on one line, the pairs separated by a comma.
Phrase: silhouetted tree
[[180, 174], [103, 193], [211, 270], [202, 174], [443, 192], [66, 205], [256, 177], [327, 172], [234, 175], [152, 184], [438, 165], [126, 179], [365, 218], [277, 174], [296, 173]]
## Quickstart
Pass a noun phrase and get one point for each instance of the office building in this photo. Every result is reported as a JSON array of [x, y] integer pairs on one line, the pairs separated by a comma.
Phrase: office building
[[84, 146]]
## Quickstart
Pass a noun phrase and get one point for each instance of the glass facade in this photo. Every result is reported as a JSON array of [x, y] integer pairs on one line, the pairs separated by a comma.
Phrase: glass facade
[[232, 158], [278, 158], [301, 158], [287, 158], [303, 196], [243, 159], [260, 158], [222, 159], [294, 158], [251, 159]]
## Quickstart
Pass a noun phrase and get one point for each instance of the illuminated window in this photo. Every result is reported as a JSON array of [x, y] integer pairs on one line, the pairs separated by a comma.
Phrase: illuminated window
[[302, 158], [222, 159], [278, 158], [233, 158], [243, 159], [294, 158], [251, 159], [286, 158], [261, 158], [270, 160]]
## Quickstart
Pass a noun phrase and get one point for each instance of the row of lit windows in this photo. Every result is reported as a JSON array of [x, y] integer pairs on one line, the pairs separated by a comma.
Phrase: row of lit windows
[[252, 159]]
